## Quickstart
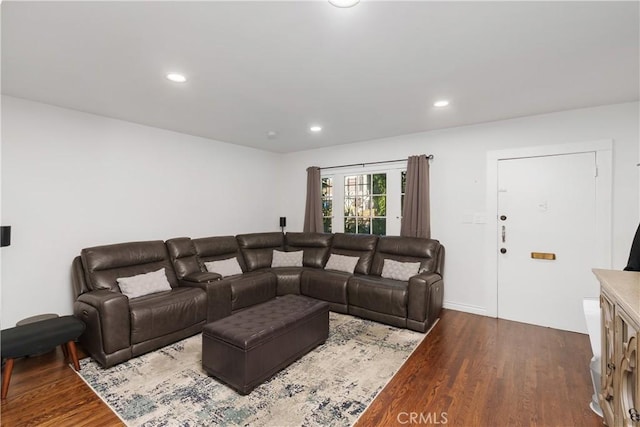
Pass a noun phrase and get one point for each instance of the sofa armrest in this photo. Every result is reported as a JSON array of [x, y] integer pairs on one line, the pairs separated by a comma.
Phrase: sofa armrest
[[106, 314], [218, 297], [425, 300], [202, 277]]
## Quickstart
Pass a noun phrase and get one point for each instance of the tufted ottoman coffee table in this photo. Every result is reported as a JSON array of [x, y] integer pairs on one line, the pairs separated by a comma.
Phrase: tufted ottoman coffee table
[[248, 347]]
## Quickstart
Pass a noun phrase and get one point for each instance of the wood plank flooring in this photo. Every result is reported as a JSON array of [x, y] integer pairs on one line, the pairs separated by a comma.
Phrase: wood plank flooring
[[479, 371], [470, 371]]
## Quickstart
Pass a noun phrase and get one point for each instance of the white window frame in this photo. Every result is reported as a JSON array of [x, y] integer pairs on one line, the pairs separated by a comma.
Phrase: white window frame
[[393, 193]]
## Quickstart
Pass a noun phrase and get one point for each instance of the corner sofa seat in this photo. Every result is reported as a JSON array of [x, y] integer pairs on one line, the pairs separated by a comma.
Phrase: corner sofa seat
[[331, 285], [288, 279], [327, 285], [315, 247]]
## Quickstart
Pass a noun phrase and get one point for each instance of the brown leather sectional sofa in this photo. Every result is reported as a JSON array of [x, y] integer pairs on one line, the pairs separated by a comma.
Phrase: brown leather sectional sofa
[[119, 328]]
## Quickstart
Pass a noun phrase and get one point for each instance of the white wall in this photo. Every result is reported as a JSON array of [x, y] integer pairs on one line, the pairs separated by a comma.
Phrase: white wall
[[72, 180], [458, 181]]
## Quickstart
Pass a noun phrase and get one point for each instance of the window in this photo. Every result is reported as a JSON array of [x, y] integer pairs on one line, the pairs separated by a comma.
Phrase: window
[[365, 204], [364, 201], [327, 203]]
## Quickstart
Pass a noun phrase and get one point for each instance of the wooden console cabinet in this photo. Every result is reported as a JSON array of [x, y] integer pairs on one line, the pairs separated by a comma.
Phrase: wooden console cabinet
[[620, 319]]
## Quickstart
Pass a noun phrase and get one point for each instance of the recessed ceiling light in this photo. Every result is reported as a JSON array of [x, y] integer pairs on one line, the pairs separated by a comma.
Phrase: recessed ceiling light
[[344, 3], [442, 103], [315, 128], [175, 77]]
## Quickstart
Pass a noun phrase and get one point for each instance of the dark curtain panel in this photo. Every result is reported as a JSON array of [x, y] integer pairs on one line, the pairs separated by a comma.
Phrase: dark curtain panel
[[634, 255], [313, 209], [416, 216]]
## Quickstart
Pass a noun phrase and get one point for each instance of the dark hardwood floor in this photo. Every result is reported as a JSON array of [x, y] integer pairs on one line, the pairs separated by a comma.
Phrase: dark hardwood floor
[[469, 371], [481, 371]]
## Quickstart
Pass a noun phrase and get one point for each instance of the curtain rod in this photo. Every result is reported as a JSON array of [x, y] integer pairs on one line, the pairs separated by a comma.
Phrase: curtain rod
[[429, 157]]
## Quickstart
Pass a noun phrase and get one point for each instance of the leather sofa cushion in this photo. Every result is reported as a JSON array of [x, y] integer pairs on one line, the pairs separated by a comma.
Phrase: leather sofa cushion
[[328, 286], [218, 248], [184, 256], [360, 245], [288, 279], [251, 288], [104, 264], [160, 314], [377, 294], [406, 249], [316, 247], [257, 248]]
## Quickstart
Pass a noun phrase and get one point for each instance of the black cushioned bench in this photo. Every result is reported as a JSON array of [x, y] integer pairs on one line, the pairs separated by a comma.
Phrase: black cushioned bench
[[37, 337], [251, 345]]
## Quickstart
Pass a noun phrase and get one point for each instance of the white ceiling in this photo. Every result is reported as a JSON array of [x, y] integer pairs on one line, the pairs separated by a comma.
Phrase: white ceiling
[[367, 72]]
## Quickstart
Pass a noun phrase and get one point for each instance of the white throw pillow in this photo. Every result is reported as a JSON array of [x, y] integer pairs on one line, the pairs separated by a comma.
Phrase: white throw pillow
[[225, 267], [287, 259], [397, 270], [342, 263], [144, 284]]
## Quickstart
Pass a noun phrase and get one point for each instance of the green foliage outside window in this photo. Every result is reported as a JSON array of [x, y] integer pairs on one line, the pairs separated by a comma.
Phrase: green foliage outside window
[[365, 204]]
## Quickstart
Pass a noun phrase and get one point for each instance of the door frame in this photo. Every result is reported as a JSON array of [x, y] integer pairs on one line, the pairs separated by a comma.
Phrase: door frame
[[604, 160]]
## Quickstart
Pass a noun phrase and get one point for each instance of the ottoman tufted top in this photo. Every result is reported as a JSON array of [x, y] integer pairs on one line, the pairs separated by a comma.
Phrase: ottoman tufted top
[[251, 327]]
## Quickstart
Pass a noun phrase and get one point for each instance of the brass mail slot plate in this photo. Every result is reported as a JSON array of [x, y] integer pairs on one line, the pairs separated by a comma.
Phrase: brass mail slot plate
[[543, 255]]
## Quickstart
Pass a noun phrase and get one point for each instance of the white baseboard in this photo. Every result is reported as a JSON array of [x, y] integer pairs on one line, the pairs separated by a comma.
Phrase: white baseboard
[[474, 309]]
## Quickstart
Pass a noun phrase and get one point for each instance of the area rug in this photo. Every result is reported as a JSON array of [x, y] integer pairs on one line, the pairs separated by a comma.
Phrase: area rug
[[331, 385]]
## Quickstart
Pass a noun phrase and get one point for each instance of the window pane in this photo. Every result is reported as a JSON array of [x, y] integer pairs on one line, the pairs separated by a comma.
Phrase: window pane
[[379, 226], [349, 207], [362, 206], [350, 185], [350, 225], [379, 206], [380, 183], [364, 226], [327, 187], [326, 222], [326, 207]]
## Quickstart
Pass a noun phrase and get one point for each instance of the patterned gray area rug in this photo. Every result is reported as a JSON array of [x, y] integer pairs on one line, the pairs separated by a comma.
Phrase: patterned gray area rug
[[331, 385]]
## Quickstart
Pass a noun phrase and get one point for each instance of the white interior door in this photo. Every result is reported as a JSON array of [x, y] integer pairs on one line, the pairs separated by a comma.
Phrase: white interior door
[[547, 209]]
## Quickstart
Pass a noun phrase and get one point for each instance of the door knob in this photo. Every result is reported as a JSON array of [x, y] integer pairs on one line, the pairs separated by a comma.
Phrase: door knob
[[503, 217], [503, 250]]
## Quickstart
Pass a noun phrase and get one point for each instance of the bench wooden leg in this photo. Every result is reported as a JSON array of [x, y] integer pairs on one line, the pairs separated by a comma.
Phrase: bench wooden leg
[[65, 352], [6, 377], [71, 348]]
